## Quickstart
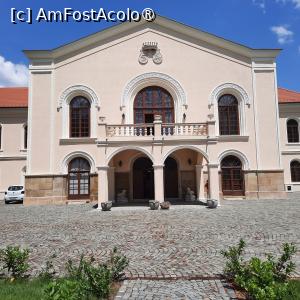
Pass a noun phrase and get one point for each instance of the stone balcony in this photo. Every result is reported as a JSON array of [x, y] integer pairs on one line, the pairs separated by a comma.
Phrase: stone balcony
[[156, 131]]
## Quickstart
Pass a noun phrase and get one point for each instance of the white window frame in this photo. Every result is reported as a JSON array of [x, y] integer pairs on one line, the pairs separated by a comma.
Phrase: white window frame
[[243, 101], [293, 182], [64, 105], [286, 129], [153, 79]]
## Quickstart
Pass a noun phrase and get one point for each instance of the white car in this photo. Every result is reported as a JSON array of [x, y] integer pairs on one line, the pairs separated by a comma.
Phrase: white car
[[14, 193]]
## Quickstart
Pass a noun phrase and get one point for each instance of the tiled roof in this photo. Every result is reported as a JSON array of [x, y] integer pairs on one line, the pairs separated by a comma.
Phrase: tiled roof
[[18, 96], [14, 97], [288, 96]]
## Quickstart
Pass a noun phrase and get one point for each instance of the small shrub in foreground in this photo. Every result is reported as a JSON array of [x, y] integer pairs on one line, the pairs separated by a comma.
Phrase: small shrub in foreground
[[118, 263], [88, 279], [91, 278], [261, 279], [63, 289], [15, 261], [48, 271]]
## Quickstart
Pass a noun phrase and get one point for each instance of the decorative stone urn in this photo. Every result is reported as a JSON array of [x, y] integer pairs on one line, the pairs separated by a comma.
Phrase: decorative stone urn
[[154, 205], [106, 206], [165, 205], [212, 203]]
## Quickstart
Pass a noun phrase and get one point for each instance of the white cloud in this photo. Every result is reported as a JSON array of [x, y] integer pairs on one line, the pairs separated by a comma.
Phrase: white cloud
[[295, 2], [12, 74], [284, 36], [261, 4]]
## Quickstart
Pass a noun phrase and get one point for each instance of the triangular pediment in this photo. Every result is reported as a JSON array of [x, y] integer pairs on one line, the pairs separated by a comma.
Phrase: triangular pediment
[[160, 24]]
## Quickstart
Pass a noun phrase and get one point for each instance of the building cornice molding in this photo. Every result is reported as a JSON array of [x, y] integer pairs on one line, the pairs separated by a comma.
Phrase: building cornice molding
[[4, 157], [160, 23]]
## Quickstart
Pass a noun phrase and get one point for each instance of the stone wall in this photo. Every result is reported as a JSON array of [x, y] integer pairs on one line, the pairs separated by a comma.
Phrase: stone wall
[[262, 185], [265, 184], [53, 189]]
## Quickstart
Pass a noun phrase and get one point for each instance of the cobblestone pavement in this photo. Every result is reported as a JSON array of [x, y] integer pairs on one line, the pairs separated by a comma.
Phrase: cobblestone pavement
[[174, 290], [182, 243]]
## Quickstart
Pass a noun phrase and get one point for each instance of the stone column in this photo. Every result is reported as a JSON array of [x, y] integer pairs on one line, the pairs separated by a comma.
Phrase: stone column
[[102, 185], [111, 184], [213, 182], [200, 182], [159, 182]]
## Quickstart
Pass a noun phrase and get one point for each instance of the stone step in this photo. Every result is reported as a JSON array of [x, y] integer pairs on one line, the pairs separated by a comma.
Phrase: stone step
[[77, 201]]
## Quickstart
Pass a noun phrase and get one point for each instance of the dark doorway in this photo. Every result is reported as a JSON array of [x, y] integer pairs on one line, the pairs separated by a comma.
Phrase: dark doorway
[[149, 118], [143, 179], [171, 178], [232, 176]]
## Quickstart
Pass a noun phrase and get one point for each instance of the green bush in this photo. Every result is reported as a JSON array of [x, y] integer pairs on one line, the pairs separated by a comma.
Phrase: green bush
[[234, 264], [63, 289], [88, 279], [261, 279], [118, 263], [15, 261], [92, 279], [48, 271]]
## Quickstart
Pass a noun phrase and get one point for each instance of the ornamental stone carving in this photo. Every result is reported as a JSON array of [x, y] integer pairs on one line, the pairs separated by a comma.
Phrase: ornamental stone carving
[[229, 87], [150, 51], [77, 90]]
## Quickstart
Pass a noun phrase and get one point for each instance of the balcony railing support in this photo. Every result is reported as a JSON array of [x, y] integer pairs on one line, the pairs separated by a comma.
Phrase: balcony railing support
[[157, 127], [102, 129], [211, 126]]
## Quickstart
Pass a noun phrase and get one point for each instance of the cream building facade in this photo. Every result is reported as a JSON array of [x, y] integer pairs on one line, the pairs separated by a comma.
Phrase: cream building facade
[[158, 111]]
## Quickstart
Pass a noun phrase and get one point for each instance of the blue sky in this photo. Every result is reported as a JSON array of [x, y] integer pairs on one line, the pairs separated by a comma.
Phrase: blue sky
[[255, 23]]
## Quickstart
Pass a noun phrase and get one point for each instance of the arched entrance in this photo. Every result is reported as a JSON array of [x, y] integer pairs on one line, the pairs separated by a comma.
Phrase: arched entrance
[[79, 178], [232, 176], [151, 101], [171, 178], [185, 174], [143, 179]]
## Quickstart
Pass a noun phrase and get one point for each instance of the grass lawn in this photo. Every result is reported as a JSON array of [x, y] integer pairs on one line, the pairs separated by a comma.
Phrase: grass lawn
[[34, 290], [295, 290], [22, 290]]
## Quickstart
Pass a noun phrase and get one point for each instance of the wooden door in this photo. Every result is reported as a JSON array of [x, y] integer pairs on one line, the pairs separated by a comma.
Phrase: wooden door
[[232, 176]]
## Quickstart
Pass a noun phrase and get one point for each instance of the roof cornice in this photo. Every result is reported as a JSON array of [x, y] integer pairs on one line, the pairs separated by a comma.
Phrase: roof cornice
[[171, 25]]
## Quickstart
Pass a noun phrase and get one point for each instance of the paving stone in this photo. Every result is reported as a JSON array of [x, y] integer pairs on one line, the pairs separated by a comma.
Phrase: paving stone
[[176, 289], [182, 243]]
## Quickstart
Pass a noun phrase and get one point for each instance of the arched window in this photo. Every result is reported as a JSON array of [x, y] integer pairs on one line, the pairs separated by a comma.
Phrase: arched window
[[79, 178], [228, 115], [293, 131], [80, 117], [25, 136], [232, 176], [295, 171], [153, 100]]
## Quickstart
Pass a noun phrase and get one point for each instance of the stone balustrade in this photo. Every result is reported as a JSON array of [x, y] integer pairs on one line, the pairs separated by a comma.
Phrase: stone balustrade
[[156, 130], [185, 129], [174, 129], [130, 130]]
